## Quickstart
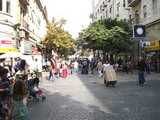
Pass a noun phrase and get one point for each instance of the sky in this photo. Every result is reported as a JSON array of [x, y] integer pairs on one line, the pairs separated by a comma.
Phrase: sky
[[75, 12]]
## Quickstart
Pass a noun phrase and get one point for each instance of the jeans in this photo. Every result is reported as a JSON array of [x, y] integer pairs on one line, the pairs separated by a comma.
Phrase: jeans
[[51, 76], [141, 77]]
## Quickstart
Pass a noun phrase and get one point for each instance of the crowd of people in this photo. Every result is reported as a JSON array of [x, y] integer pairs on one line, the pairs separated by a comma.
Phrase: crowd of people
[[19, 83], [60, 68], [18, 86]]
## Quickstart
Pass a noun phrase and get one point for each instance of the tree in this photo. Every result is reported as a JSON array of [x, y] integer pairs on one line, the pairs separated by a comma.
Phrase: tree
[[58, 39], [110, 35], [94, 36]]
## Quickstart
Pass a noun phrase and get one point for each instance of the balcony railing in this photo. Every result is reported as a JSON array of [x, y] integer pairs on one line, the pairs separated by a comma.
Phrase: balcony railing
[[132, 3]]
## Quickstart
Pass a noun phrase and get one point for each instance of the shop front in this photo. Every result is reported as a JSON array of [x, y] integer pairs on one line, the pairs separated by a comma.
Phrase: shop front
[[7, 39], [7, 45], [153, 52]]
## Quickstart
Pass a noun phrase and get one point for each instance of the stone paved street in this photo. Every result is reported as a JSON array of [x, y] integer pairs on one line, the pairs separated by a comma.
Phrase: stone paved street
[[84, 97]]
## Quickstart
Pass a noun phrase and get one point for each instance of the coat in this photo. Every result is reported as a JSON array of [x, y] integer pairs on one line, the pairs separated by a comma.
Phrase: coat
[[110, 74]]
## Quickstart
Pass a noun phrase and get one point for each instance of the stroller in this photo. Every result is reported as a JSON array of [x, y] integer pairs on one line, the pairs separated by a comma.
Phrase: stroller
[[35, 93]]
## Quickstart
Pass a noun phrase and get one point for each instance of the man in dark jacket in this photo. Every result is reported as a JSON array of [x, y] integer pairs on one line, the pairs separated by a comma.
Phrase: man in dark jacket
[[141, 70], [5, 93]]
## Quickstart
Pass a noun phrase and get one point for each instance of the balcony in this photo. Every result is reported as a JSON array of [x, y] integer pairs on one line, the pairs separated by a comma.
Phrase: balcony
[[133, 3]]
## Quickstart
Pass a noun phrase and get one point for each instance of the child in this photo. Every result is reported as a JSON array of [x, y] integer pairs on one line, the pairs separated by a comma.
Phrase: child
[[20, 110]]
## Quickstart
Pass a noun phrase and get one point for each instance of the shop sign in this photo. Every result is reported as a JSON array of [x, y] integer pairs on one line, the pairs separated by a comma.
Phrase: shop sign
[[154, 46], [4, 50], [7, 45]]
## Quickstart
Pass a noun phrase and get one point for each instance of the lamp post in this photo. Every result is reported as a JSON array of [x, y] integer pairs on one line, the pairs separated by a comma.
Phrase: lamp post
[[139, 35]]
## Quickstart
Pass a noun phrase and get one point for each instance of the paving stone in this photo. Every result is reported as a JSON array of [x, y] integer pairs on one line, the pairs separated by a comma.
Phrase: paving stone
[[79, 98]]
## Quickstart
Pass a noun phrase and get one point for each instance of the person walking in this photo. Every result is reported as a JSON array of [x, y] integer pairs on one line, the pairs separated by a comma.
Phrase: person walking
[[148, 66], [100, 68], [76, 66], [141, 70], [92, 65], [52, 71]]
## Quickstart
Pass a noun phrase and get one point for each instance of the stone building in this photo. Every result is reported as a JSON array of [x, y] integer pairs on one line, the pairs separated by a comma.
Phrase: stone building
[[147, 12], [110, 9], [23, 25]]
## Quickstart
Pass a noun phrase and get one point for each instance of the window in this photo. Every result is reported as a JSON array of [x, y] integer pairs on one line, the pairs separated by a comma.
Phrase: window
[[106, 13], [155, 10], [144, 11], [110, 10], [124, 3], [118, 7], [137, 16], [1, 5], [8, 10]]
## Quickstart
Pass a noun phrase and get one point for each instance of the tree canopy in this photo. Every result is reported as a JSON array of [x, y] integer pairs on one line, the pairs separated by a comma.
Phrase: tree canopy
[[109, 35], [58, 39]]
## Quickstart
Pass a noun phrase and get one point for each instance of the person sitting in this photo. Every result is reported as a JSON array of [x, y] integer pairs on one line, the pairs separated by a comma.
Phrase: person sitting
[[33, 87]]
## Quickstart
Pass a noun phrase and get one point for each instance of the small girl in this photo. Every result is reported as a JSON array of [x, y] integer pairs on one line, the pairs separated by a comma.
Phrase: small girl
[[20, 110]]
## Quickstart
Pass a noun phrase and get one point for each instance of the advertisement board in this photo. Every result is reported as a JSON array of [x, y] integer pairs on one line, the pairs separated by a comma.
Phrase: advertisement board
[[7, 45]]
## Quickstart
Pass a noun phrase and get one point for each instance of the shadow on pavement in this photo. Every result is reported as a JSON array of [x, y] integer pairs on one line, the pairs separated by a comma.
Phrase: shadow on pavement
[[127, 101], [64, 107]]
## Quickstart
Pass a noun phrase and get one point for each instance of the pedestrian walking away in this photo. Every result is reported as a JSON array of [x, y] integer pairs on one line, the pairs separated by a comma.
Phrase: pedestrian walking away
[[100, 68], [141, 70]]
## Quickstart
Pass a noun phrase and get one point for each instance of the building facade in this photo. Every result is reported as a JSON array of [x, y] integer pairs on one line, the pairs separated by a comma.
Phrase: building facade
[[33, 21], [147, 12], [8, 22], [103, 9], [23, 25]]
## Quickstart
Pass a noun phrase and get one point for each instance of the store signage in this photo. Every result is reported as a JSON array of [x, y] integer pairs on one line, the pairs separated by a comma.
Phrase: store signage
[[6, 42], [4, 50], [154, 46], [7, 45]]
